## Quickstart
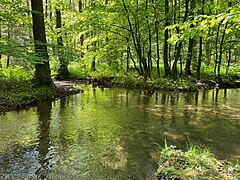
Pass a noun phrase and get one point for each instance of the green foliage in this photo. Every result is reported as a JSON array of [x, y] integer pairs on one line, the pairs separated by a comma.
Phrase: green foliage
[[195, 163], [170, 84], [15, 73], [129, 81]]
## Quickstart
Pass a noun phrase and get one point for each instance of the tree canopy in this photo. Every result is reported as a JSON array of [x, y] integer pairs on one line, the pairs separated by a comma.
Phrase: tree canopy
[[180, 39]]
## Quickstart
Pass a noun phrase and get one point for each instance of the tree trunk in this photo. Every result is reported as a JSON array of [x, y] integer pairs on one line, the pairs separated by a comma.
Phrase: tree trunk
[[178, 47], [221, 44], [166, 36], [0, 38], [80, 10], [200, 48], [149, 55], [229, 59], [221, 51], [46, 8], [156, 24], [216, 49], [42, 71], [190, 45], [199, 57], [63, 72]]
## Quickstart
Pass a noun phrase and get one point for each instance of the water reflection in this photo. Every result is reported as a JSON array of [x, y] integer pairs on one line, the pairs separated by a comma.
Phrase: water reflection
[[111, 133], [44, 117]]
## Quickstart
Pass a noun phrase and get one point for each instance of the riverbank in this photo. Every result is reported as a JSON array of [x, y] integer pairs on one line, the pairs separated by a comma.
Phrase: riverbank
[[167, 84], [18, 94]]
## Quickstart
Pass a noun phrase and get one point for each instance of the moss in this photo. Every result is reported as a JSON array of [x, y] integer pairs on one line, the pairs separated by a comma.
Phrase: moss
[[21, 93]]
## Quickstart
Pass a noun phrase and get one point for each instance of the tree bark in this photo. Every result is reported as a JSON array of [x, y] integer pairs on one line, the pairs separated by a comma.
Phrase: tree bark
[[229, 60], [190, 45], [63, 72], [200, 48], [178, 47], [156, 24], [80, 10], [0, 38], [166, 46], [199, 57], [42, 71]]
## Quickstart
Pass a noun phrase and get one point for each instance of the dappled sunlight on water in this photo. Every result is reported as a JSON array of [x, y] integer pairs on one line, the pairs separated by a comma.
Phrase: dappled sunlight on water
[[113, 133]]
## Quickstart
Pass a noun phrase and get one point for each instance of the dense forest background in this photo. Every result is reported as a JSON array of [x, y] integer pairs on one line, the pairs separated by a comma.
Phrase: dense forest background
[[144, 38]]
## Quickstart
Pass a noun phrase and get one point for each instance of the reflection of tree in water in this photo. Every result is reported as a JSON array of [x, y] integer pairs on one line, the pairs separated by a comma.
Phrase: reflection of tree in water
[[187, 112], [44, 117], [173, 103]]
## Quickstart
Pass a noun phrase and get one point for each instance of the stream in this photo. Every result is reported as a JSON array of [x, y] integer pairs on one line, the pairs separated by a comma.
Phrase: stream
[[115, 133]]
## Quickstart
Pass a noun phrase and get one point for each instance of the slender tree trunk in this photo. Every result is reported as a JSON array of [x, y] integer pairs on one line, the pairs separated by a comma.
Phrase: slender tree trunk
[[166, 36], [229, 59], [221, 51], [200, 48], [46, 8], [80, 9], [0, 38], [128, 56], [136, 42], [94, 44], [222, 42], [199, 57], [178, 47], [190, 45], [149, 63], [42, 71], [156, 26], [63, 72], [9, 37], [216, 49]]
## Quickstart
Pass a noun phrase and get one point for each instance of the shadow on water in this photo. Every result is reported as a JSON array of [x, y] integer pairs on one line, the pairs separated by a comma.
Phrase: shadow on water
[[44, 110]]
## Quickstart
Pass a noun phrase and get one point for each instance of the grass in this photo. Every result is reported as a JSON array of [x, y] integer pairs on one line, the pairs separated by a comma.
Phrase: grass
[[195, 163], [14, 94], [17, 89]]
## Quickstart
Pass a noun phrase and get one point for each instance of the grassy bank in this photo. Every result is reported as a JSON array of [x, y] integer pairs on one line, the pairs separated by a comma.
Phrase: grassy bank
[[194, 163], [107, 78], [15, 94], [17, 89]]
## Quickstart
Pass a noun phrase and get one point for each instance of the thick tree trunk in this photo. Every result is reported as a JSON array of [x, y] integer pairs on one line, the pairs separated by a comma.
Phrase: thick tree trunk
[[63, 72], [42, 71]]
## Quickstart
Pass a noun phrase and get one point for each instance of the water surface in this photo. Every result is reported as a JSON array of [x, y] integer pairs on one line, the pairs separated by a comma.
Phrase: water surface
[[112, 133]]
